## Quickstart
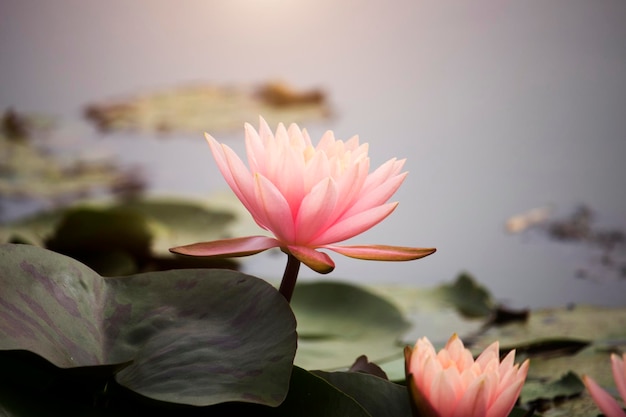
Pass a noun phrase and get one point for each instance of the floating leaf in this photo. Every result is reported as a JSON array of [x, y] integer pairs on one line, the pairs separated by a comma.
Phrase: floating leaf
[[186, 109], [470, 298], [567, 385], [30, 171], [378, 396], [122, 238], [439, 312], [111, 241], [312, 395], [583, 323], [362, 364], [195, 336], [337, 322], [548, 348], [177, 222], [171, 221]]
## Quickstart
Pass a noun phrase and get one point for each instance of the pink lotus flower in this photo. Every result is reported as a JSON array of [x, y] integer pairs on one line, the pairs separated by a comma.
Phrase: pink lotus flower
[[605, 402], [309, 197], [451, 383]]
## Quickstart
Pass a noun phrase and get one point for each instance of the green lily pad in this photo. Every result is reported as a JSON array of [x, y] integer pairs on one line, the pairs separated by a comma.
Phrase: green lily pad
[[122, 238], [601, 325], [567, 385], [196, 337], [32, 172], [338, 322], [312, 395], [470, 298], [113, 241], [176, 222], [378, 396], [461, 307], [169, 221], [563, 396]]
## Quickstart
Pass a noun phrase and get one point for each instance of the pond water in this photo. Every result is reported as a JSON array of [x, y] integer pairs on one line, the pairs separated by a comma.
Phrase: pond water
[[498, 107]]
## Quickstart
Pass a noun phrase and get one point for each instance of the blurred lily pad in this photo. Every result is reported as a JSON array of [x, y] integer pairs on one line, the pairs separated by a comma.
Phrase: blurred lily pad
[[172, 221], [600, 325], [463, 307], [125, 237], [36, 168], [115, 241], [470, 298], [338, 322], [200, 108], [567, 385]]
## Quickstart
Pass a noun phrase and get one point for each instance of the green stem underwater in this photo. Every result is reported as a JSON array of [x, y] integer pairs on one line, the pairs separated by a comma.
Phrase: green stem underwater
[[290, 276]]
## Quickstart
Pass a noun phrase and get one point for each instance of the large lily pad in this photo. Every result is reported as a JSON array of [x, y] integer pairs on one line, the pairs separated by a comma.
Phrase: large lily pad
[[338, 322], [194, 336]]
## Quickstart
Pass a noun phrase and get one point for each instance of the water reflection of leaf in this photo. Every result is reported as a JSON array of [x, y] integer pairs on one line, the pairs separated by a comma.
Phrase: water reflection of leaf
[[200, 108]]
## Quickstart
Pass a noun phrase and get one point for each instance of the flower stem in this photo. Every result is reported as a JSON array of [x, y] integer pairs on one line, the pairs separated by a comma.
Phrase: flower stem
[[290, 276]]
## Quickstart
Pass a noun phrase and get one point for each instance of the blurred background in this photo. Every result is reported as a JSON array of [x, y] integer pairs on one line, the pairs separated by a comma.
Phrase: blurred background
[[499, 107]]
